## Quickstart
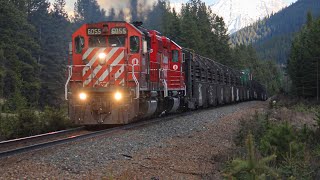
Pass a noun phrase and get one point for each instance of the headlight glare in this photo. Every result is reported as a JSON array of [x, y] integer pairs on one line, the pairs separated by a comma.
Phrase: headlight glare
[[83, 96], [118, 96], [102, 55]]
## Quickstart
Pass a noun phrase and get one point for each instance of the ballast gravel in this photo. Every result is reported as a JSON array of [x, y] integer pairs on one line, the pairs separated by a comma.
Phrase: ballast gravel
[[113, 155]]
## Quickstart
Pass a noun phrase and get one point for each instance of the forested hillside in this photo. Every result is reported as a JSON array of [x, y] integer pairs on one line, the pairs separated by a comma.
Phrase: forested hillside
[[272, 36]]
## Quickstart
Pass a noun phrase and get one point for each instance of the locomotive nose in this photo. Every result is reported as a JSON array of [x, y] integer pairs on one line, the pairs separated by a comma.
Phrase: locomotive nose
[[105, 66]]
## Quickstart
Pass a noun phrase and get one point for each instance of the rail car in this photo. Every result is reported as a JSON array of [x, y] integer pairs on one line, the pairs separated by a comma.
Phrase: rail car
[[121, 72]]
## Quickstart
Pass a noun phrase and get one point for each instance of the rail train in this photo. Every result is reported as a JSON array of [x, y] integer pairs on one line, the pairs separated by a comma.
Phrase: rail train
[[121, 72]]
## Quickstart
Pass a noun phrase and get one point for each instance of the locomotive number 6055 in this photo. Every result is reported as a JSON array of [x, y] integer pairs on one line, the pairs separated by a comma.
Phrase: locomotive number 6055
[[94, 31]]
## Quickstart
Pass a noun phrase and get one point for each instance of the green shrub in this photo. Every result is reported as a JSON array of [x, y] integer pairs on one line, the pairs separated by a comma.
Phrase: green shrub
[[30, 122], [297, 150], [279, 139], [25, 123], [300, 107], [304, 108], [15, 103], [316, 151], [296, 166], [258, 125], [305, 134], [251, 167], [8, 126], [53, 119], [317, 119]]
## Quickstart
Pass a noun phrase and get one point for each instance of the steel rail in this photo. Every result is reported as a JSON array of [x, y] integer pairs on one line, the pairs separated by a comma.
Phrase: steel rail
[[40, 136]]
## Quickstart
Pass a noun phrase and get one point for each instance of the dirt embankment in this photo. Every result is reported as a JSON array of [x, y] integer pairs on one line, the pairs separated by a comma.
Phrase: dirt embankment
[[200, 155]]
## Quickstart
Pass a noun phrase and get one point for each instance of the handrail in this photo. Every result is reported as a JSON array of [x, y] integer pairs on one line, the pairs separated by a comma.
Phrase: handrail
[[70, 68], [164, 82], [165, 87], [136, 81], [68, 80]]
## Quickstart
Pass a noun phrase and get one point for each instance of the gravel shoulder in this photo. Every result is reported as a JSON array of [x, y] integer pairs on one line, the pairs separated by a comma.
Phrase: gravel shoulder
[[187, 147]]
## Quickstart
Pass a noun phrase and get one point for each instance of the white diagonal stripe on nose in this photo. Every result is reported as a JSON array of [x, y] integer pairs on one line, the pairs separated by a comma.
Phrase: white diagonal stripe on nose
[[111, 53], [86, 54], [97, 69], [90, 63], [119, 72], [93, 60], [106, 73], [122, 81]]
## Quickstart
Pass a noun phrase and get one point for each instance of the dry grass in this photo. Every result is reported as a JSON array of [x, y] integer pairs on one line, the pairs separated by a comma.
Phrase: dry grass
[[297, 119], [295, 111]]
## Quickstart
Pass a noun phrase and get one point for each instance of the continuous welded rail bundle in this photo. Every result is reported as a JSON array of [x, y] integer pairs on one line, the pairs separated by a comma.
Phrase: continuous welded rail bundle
[[121, 72]]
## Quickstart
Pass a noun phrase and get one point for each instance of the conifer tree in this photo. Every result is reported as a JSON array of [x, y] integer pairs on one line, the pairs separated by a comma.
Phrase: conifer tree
[[88, 11], [134, 10], [303, 64], [251, 167], [112, 14]]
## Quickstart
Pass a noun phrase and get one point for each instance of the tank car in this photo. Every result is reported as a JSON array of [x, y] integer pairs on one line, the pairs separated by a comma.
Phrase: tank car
[[121, 72]]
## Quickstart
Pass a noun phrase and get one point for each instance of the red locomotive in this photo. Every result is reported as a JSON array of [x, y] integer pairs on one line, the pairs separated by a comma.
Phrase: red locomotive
[[122, 72]]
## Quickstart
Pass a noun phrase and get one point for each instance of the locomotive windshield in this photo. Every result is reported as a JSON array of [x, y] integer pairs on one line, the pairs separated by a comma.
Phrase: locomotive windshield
[[103, 41], [116, 41], [97, 41]]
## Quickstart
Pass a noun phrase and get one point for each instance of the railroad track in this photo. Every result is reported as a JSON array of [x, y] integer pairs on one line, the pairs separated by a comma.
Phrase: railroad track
[[72, 135], [25, 144]]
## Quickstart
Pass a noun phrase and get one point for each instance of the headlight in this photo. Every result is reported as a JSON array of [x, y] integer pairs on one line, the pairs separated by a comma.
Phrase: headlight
[[102, 55], [83, 96], [118, 96]]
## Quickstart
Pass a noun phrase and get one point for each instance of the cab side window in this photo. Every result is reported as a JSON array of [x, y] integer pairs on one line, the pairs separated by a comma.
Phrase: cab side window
[[134, 44], [79, 44], [175, 56]]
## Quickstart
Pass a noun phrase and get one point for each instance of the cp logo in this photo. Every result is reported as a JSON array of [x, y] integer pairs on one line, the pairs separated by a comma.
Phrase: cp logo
[[175, 67], [135, 61]]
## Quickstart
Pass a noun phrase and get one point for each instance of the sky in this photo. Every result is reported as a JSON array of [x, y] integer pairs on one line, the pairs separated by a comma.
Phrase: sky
[[106, 4]]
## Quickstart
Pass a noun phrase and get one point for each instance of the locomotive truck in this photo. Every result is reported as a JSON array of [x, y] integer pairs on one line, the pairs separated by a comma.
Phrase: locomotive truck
[[121, 72]]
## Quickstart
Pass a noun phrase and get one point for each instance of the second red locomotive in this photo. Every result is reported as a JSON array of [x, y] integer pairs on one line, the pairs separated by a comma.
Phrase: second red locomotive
[[122, 72]]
